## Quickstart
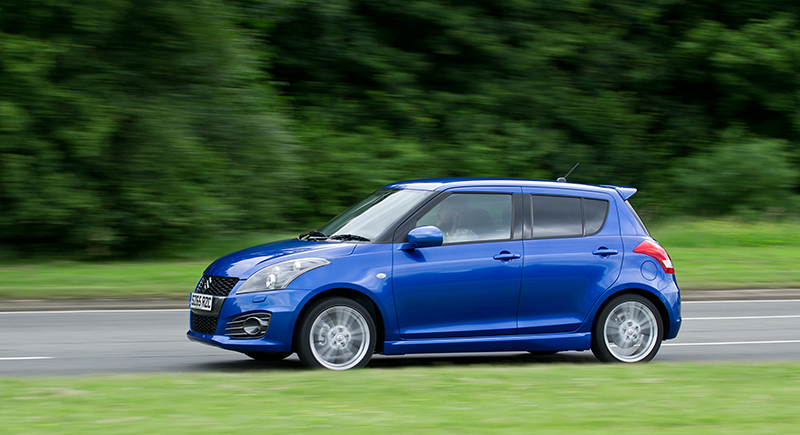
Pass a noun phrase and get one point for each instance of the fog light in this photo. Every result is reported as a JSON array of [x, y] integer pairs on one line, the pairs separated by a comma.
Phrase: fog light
[[249, 326], [253, 326]]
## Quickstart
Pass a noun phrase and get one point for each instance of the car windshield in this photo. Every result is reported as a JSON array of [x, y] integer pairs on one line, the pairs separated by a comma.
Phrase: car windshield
[[372, 215]]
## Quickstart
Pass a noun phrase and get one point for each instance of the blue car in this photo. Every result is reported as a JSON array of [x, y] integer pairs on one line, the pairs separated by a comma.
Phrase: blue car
[[450, 265]]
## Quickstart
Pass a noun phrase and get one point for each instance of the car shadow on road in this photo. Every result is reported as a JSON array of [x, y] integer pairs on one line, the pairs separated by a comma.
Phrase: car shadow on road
[[402, 361]]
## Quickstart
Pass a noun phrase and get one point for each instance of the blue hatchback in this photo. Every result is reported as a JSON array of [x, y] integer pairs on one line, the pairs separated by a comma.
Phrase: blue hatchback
[[450, 265]]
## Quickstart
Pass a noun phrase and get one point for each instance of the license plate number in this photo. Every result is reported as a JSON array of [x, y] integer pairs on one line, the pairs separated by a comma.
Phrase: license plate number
[[202, 302]]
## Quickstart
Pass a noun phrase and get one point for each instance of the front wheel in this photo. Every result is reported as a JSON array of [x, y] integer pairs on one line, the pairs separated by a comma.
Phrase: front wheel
[[628, 329], [337, 334]]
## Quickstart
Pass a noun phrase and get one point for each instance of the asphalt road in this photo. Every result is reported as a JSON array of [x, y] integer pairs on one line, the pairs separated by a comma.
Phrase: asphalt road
[[67, 343]]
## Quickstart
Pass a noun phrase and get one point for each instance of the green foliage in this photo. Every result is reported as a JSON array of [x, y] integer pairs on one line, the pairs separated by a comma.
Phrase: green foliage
[[128, 126], [737, 174], [528, 88]]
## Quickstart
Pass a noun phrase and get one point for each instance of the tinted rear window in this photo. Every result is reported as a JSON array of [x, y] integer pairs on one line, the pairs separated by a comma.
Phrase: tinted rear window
[[565, 216], [556, 216]]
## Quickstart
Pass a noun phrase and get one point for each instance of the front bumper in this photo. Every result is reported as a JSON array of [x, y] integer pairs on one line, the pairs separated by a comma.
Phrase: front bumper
[[282, 304]]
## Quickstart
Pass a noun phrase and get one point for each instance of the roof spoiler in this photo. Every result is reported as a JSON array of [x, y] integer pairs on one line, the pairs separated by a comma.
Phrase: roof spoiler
[[624, 191]]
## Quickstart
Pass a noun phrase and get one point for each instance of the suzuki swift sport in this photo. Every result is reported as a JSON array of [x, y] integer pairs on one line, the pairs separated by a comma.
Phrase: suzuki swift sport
[[450, 265]]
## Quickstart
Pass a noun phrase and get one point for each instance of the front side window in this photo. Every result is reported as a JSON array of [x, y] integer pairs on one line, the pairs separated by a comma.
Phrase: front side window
[[472, 217], [566, 216]]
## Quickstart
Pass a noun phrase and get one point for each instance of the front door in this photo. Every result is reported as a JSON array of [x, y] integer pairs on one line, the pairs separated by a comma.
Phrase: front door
[[470, 285]]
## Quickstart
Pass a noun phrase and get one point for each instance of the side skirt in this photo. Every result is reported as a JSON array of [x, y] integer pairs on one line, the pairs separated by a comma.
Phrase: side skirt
[[498, 343]]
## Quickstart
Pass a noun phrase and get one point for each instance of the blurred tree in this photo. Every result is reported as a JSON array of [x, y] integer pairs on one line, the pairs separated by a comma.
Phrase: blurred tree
[[741, 172], [529, 87], [129, 124], [125, 124]]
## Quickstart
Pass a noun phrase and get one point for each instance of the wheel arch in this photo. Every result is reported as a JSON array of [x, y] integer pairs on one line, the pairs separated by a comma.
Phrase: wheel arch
[[348, 293], [659, 304]]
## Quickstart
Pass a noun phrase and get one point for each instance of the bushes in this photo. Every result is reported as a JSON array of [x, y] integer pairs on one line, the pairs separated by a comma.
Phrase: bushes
[[130, 125], [133, 124]]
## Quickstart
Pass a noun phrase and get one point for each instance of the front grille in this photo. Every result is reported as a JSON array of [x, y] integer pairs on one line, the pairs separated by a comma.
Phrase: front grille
[[216, 285], [204, 324], [249, 326]]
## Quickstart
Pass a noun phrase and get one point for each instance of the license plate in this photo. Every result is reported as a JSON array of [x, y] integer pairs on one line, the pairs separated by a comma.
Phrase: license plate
[[202, 302]]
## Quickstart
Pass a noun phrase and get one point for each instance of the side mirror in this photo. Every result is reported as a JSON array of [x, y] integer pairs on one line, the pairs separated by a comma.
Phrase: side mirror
[[422, 237]]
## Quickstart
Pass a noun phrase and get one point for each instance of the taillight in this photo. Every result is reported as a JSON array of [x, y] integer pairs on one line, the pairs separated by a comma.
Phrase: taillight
[[653, 249]]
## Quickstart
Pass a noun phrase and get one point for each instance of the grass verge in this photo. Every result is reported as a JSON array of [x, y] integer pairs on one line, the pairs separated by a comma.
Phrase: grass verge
[[565, 399], [708, 254]]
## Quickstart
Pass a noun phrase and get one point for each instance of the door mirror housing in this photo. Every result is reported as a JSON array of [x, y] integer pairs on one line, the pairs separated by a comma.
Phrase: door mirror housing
[[423, 237]]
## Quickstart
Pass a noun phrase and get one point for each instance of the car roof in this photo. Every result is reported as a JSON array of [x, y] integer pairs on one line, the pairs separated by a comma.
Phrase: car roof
[[440, 184]]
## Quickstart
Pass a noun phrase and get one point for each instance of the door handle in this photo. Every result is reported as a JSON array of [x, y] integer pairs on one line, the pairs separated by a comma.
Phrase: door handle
[[605, 252], [505, 256]]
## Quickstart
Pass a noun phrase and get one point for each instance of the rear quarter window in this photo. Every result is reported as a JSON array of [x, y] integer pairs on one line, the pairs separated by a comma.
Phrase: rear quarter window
[[595, 212]]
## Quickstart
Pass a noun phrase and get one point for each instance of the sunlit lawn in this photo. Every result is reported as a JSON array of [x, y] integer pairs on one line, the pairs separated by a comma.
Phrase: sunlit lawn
[[519, 399], [164, 278], [728, 254], [708, 254]]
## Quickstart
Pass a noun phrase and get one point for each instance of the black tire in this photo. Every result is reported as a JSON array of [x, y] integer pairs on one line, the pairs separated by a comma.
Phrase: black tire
[[627, 329], [267, 356], [337, 333]]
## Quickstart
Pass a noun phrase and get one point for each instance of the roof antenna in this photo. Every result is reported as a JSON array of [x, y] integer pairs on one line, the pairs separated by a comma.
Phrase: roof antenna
[[564, 178]]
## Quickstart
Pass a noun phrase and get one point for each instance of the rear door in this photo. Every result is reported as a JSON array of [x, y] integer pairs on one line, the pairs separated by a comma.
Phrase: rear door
[[573, 253]]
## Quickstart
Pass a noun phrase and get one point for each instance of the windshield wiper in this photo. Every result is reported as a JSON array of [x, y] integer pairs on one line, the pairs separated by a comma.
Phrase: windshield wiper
[[313, 235], [344, 237]]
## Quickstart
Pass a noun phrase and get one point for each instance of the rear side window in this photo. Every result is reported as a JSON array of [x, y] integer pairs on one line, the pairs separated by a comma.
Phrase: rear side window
[[565, 216], [556, 216]]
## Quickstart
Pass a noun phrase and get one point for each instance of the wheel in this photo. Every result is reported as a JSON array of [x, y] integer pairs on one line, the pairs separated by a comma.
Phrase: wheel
[[337, 334], [628, 329], [267, 356]]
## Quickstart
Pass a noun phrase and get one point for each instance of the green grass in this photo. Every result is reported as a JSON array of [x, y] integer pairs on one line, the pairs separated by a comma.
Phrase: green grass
[[737, 268], [163, 278], [520, 399], [708, 254], [74, 280], [731, 254], [726, 233]]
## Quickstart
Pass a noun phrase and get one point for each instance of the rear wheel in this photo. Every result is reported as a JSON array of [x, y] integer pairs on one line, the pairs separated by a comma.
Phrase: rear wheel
[[337, 334], [628, 329]]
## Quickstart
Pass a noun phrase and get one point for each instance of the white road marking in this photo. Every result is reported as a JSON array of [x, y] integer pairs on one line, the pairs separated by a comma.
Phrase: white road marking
[[732, 343], [743, 317], [22, 358], [173, 310]]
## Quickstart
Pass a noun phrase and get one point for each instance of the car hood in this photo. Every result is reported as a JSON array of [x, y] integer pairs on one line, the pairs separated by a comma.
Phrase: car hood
[[242, 264]]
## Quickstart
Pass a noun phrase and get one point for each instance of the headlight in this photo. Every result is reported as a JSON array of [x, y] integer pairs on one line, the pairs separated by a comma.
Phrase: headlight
[[278, 276]]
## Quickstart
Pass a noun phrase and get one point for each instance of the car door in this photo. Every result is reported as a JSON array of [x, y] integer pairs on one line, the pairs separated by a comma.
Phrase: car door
[[469, 286], [573, 253]]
